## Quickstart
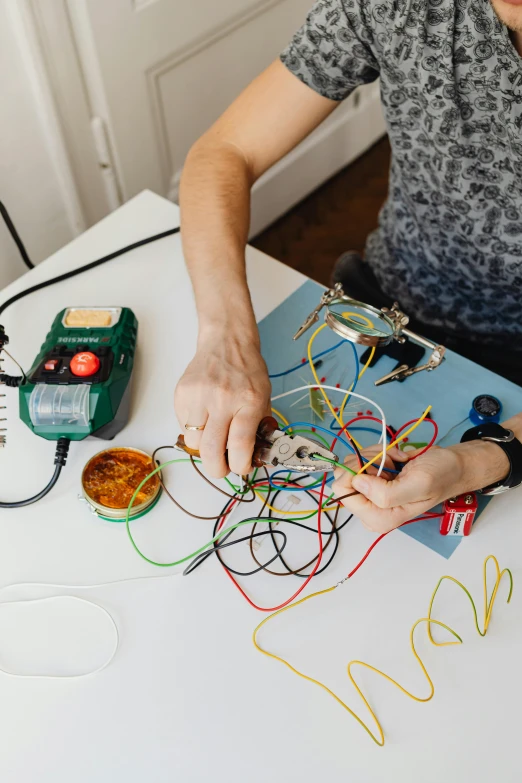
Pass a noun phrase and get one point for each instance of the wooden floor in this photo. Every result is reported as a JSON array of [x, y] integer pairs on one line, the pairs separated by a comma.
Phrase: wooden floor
[[336, 217]]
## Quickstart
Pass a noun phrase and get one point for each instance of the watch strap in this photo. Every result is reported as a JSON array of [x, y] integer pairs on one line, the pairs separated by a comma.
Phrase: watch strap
[[510, 445]]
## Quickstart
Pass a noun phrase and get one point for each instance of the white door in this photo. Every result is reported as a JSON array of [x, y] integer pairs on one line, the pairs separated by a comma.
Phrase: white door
[[159, 72]]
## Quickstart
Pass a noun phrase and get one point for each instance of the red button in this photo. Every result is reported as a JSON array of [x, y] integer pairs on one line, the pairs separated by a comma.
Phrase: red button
[[51, 365], [84, 364]]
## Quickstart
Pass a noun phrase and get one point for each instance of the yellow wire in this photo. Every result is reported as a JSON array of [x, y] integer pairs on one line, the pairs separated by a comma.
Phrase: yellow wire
[[341, 412], [339, 419], [372, 353], [379, 740], [281, 417], [316, 377], [397, 440]]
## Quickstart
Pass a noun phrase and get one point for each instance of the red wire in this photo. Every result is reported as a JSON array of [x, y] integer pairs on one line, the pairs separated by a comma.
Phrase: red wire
[[307, 580], [390, 433], [418, 519], [432, 441], [359, 564], [369, 418]]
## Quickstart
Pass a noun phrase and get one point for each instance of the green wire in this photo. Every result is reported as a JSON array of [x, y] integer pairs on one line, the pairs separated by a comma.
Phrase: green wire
[[337, 464], [205, 546]]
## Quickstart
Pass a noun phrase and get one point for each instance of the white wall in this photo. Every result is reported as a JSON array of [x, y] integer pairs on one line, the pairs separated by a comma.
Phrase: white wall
[[29, 183]]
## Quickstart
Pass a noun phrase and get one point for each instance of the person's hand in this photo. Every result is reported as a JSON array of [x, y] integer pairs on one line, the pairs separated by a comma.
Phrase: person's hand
[[227, 389], [386, 502]]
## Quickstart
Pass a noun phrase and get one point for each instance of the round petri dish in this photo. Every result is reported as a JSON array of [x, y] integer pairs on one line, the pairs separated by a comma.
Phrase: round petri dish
[[110, 478]]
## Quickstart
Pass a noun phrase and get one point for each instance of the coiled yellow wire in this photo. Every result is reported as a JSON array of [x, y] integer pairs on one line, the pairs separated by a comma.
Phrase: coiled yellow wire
[[379, 738]]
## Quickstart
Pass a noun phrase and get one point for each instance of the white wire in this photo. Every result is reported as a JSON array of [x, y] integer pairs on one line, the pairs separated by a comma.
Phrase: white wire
[[99, 608], [353, 394], [52, 586]]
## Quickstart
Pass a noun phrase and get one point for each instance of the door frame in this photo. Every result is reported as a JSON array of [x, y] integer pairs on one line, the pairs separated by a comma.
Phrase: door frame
[[61, 62], [79, 97], [27, 31]]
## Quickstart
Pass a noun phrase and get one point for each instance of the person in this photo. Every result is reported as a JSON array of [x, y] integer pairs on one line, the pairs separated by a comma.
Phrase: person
[[449, 242]]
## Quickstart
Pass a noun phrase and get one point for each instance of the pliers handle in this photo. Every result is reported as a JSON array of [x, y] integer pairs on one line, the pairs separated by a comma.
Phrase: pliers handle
[[281, 449]]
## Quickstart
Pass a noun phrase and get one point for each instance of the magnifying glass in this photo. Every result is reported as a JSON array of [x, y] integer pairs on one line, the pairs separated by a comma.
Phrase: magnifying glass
[[360, 323]]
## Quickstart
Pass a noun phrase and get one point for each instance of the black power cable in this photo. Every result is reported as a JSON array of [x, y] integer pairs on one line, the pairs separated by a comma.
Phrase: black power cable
[[62, 449], [87, 267], [16, 236], [11, 380]]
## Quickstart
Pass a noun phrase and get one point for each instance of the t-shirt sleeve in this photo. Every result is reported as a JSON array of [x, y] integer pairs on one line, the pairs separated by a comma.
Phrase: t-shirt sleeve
[[332, 52]]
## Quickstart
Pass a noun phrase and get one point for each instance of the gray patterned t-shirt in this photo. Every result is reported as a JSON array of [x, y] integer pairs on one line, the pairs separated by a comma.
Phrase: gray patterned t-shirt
[[449, 243]]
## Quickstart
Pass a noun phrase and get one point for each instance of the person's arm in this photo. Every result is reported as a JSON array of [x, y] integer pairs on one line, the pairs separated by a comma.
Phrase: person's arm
[[441, 473], [226, 386]]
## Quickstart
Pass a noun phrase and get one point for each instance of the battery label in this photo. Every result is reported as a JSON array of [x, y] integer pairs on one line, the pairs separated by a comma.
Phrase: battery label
[[459, 515], [457, 523], [459, 518]]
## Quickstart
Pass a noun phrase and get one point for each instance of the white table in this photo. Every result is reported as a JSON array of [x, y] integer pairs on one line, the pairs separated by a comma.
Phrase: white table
[[187, 697]]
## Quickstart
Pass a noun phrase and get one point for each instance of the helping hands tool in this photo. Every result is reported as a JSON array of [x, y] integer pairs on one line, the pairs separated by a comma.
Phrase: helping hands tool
[[366, 325], [280, 449]]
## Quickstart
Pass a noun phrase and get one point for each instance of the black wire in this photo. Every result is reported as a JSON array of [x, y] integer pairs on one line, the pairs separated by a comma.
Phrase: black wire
[[200, 559], [194, 564], [14, 381], [39, 496], [335, 530], [62, 449], [204, 555], [357, 451], [16, 236], [86, 267], [331, 533]]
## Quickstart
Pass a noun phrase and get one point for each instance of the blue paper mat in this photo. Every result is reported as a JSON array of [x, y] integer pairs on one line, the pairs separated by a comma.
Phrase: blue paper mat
[[450, 389]]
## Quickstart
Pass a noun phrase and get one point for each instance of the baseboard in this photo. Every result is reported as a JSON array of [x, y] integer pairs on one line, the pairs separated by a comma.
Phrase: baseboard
[[349, 132]]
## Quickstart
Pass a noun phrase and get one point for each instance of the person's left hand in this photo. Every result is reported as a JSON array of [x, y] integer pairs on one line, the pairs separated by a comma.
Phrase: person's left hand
[[386, 502]]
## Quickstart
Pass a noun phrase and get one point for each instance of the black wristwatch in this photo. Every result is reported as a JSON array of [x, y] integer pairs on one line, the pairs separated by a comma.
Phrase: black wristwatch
[[509, 444]]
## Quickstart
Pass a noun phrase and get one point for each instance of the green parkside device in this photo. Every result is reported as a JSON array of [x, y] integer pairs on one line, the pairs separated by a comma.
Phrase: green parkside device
[[79, 384]]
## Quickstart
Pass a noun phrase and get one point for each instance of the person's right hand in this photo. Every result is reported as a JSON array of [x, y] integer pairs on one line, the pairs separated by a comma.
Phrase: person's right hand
[[227, 389]]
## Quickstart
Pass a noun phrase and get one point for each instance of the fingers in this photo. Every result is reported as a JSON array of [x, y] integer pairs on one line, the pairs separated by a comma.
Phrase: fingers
[[397, 455], [242, 439], [196, 417], [384, 505], [190, 409], [227, 379], [393, 455], [374, 518], [214, 443], [408, 488]]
